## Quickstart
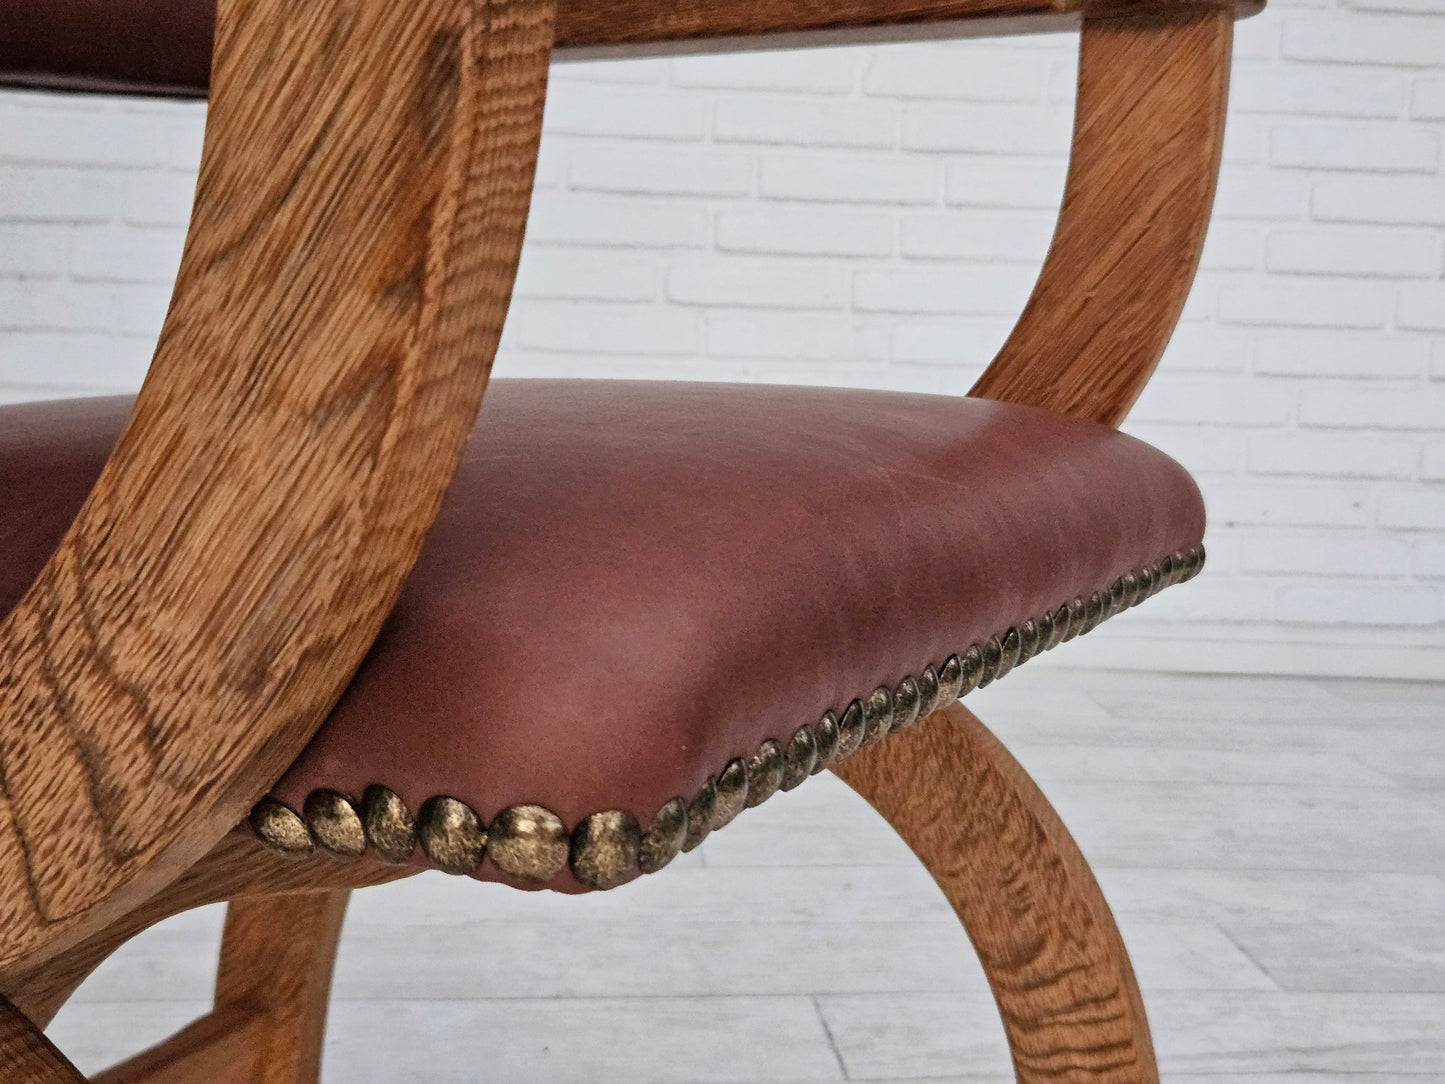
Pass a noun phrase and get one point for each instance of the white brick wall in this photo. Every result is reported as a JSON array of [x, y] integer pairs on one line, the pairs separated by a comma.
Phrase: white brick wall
[[875, 217]]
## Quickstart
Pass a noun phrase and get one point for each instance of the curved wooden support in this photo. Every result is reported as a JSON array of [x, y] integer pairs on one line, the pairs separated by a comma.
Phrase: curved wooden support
[[272, 992], [360, 211], [1016, 879], [27, 1056], [1148, 129]]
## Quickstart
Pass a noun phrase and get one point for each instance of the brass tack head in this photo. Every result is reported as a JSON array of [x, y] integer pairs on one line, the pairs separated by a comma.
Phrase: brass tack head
[[1176, 562], [389, 827], [1029, 640], [1106, 605], [1046, 632], [906, 702], [529, 842], [1157, 580], [928, 701], [1061, 626], [971, 670], [953, 675], [992, 656], [850, 730], [877, 715], [732, 794], [799, 757], [1118, 596], [335, 824], [665, 838], [1078, 614], [281, 830], [827, 735], [700, 813], [451, 834], [765, 773], [1196, 562], [1012, 646], [1132, 587], [605, 849], [1093, 611]]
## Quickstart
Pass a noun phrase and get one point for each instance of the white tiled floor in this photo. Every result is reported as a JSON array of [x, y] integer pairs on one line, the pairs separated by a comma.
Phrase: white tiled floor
[[1274, 849]]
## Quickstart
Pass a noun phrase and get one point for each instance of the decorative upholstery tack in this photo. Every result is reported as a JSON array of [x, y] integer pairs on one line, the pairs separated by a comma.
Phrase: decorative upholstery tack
[[607, 848], [530, 842]]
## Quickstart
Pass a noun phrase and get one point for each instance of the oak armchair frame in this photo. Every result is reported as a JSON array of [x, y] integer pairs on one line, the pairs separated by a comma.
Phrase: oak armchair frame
[[360, 210]]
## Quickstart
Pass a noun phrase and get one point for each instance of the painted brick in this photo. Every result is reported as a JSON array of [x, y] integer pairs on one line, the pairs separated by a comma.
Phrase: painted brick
[[1197, 602], [1215, 400], [1378, 40], [1430, 558], [1414, 509], [1432, 462], [1358, 605], [987, 129], [1339, 354], [44, 135], [1018, 236], [160, 199], [1332, 455], [1210, 348], [637, 71], [1373, 149], [848, 179], [673, 172], [956, 341], [142, 309], [804, 123], [1318, 303], [607, 329], [941, 72], [796, 336], [806, 231], [757, 284], [33, 251], [1258, 194], [113, 255], [73, 362], [39, 194], [987, 182], [1406, 201], [1230, 246], [1316, 91], [818, 71], [999, 290], [1437, 361], [1376, 251], [1348, 407], [583, 220], [586, 275], [57, 306], [1404, 7], [1323, 554], [1427, 100], [1422, 305], [1201, 449], [1289, 504], [590, 110]]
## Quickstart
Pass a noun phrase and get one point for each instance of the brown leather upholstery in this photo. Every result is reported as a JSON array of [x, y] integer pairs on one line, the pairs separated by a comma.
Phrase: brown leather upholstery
[[136, 46], [632, 583]]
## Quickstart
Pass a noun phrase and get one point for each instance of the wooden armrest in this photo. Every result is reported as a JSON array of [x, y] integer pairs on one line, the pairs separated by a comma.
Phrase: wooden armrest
[[1148, 133], [362, 197]]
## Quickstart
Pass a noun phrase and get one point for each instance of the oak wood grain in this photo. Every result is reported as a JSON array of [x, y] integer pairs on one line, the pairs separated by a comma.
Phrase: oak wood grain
[[360, 210], [1148, 132], [1024, 893], [219, 1048], [27, 1056]]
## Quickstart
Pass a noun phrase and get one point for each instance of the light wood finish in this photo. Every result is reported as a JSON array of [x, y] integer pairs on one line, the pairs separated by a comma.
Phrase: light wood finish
[[1147, 137], [272, 990], [360, 210], [26, 1056], [1015, 878], [597, 27]]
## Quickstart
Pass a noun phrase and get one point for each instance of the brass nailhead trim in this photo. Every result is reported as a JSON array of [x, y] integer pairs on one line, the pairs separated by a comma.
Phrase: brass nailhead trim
[[389, 827], [335, 824], [799, 758], [528, 841], [605, 848], [451, 834], [663, 841], [700, 814], [281, 830], [765, 773], [732, 794]]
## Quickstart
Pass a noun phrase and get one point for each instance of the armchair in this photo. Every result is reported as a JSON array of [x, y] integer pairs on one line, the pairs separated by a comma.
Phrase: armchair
[[640, 609]]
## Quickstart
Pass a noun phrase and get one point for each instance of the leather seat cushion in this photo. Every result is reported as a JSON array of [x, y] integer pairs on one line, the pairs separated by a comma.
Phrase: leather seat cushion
[[630, 584]]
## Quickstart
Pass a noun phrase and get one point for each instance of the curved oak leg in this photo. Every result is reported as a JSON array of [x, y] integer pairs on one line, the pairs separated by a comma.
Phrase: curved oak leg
[[272, 991], [27, 1056], [1016, 879]]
